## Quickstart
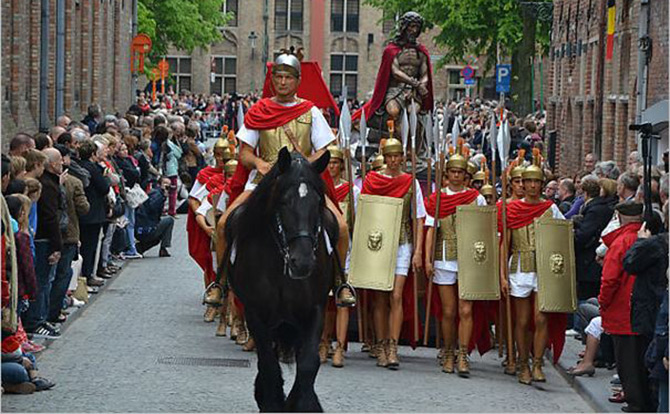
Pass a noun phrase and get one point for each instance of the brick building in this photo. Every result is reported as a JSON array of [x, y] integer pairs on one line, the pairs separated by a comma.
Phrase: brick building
[[97, 36], [591, 100], [346, 37]]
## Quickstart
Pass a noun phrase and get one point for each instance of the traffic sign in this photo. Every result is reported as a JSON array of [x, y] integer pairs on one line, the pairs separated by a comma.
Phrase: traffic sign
[[470, 81], [468, 72], [503, 77]]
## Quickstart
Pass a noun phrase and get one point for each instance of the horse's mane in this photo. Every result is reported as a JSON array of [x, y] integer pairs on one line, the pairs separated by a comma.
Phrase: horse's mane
[[259, 208]]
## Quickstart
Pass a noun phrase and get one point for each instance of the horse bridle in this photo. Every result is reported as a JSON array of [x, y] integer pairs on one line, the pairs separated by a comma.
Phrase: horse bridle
[[283, 240]]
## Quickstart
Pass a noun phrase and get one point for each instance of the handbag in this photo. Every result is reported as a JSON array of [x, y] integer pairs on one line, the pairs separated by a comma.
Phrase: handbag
[[115, 205], [136, 196]]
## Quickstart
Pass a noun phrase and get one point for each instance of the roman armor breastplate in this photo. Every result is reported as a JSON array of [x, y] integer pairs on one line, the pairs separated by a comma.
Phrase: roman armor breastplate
[[523, 247]]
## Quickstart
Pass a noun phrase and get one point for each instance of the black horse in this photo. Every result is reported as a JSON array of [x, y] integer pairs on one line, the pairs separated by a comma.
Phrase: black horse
[[281, 267]]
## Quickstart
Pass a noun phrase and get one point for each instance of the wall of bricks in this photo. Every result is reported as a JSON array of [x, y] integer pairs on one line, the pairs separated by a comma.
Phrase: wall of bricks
[[591, 100], [97, 60]]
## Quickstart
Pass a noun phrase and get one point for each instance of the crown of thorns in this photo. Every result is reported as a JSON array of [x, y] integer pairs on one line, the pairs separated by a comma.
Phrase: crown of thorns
[[409, 18]]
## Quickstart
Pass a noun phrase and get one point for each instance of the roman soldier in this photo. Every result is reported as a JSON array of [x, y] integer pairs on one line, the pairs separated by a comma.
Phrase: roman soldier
[[522, 270], [444, 272], [469, 171], [199, 231], [378, 163], [515, 177], [285, 120], [479, 177], [393, 182], [341, 315]]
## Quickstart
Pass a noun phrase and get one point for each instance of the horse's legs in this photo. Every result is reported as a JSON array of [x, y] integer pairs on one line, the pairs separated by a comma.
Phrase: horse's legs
[[269, 384], [302, 397]]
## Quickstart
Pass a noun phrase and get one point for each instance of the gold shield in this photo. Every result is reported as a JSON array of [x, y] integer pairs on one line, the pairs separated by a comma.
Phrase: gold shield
[[375, 243], [477, 244], [555, 260]]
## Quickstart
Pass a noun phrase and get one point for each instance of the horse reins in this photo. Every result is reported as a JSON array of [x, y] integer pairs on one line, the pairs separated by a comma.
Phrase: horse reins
[[283, 240]]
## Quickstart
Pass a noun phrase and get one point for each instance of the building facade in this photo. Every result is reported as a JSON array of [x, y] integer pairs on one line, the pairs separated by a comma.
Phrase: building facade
[[96, 36], [592, 97], [346, 37]]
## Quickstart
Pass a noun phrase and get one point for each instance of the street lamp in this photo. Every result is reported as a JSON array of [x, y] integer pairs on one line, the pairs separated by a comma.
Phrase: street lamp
[[252, 43]]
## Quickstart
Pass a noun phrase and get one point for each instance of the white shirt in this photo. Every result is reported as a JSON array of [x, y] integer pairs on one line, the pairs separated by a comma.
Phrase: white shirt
[[450, 265], [556, 213], [357, 193], [205, 206], [199, 191]]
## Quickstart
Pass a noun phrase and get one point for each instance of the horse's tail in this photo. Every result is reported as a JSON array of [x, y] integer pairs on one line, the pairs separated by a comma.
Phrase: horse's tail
[[286, 342]]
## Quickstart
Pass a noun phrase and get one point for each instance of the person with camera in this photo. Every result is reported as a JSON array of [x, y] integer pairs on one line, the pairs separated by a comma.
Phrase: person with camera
[[150, 228]]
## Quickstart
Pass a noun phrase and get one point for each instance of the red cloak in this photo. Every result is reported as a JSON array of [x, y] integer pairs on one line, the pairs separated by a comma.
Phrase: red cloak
[[342, 191], [449, 202], [521, 213], [384, 77], [206, 173], [382, 185]]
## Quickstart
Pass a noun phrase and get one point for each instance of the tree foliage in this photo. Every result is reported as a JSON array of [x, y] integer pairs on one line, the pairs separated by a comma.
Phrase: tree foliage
[[472, 27], [184, 24]]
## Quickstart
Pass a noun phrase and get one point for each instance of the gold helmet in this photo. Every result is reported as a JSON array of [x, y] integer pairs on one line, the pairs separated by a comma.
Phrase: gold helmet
[[487, 190], [335, 152], [516, 166], [391, 146], [457, 160], [378, 163], [230, 167], [534, 171], [481, 174], [472, 168]]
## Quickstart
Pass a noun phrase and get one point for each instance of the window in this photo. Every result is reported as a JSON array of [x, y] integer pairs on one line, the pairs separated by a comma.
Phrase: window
[[224, 75], [344, 16], [389, 23], [454, 77], [231, 6], [344, 71], [180, 69], [288, 15]]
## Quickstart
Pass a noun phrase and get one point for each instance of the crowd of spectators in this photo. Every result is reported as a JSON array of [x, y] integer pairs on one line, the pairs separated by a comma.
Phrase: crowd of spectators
[[77, 202]]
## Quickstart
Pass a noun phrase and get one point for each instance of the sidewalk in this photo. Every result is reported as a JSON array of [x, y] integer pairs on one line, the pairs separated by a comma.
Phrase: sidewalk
[[595, 390]]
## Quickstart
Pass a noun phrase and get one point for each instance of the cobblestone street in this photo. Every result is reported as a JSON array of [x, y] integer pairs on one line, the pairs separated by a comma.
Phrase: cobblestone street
[[125, 353]]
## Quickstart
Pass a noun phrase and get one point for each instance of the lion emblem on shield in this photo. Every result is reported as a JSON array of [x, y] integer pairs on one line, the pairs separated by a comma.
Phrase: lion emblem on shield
[[479, 251], [375, 240], [557, 263]]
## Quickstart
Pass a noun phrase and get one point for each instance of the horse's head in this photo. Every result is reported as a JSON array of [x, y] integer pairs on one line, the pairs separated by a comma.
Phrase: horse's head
[[299, 202]]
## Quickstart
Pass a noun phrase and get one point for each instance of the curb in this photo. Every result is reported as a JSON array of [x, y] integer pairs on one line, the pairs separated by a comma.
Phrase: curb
[[594, 390]]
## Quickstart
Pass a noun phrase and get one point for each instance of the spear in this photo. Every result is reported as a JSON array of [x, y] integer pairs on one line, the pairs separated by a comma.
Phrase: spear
[[364, 138], [240, 114], [428, 127], [415, 222]]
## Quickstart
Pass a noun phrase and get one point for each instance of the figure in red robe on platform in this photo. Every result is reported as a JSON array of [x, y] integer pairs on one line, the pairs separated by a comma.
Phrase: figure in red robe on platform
[[405, 75]]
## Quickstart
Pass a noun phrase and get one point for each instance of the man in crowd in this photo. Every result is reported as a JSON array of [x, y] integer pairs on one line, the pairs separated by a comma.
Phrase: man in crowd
[[20, 144], [550, 191], [48, 245], [566, 195], [590, 162], [151, 228]]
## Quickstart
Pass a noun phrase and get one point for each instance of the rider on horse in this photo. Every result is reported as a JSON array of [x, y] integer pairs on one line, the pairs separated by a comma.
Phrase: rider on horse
[[286, 121]]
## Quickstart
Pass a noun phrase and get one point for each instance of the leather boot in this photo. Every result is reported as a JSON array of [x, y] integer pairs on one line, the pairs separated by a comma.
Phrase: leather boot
[[213, 295], [463, 363], [538, 375], [448, 360], [323, 352], [440, 355], [374, 350], [250, 345], [210, 313], [382, 357], [242, 334], [338, 356], [393, 362], [524, 375], [510, 368], [221, 329]]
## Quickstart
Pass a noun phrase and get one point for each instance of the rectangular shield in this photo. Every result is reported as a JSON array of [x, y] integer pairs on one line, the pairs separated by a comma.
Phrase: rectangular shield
[[375, 242], [555, 261], [477, 245]]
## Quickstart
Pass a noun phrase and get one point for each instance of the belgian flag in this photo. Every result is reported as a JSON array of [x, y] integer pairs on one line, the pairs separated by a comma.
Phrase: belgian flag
[[611, 23]]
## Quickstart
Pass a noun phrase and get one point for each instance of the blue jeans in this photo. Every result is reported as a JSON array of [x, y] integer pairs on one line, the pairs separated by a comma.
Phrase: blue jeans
[[130, 229], [14, 373], [61, 281], [45, 274]]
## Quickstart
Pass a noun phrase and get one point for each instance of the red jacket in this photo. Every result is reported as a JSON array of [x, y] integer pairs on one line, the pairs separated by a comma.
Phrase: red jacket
[[616, 286]]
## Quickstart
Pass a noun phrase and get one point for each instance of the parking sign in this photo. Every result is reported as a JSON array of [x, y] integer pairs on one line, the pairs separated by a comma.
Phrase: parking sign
[[503, 77]]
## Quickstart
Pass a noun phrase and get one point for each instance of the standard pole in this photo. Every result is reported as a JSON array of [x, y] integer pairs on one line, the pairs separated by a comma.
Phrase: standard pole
[[133, 82], [44, 65], [60, 58]]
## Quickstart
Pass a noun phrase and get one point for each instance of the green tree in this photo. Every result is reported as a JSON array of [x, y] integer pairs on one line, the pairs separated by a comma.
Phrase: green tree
[[482, 27], [184, 24]]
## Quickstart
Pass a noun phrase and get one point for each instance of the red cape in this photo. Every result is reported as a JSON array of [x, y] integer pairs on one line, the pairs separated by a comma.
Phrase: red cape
[[342, 191], [521, 213], [381, 185], [206, 173], [384, 77], [312, 86], [448, 203], [268, 114]]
